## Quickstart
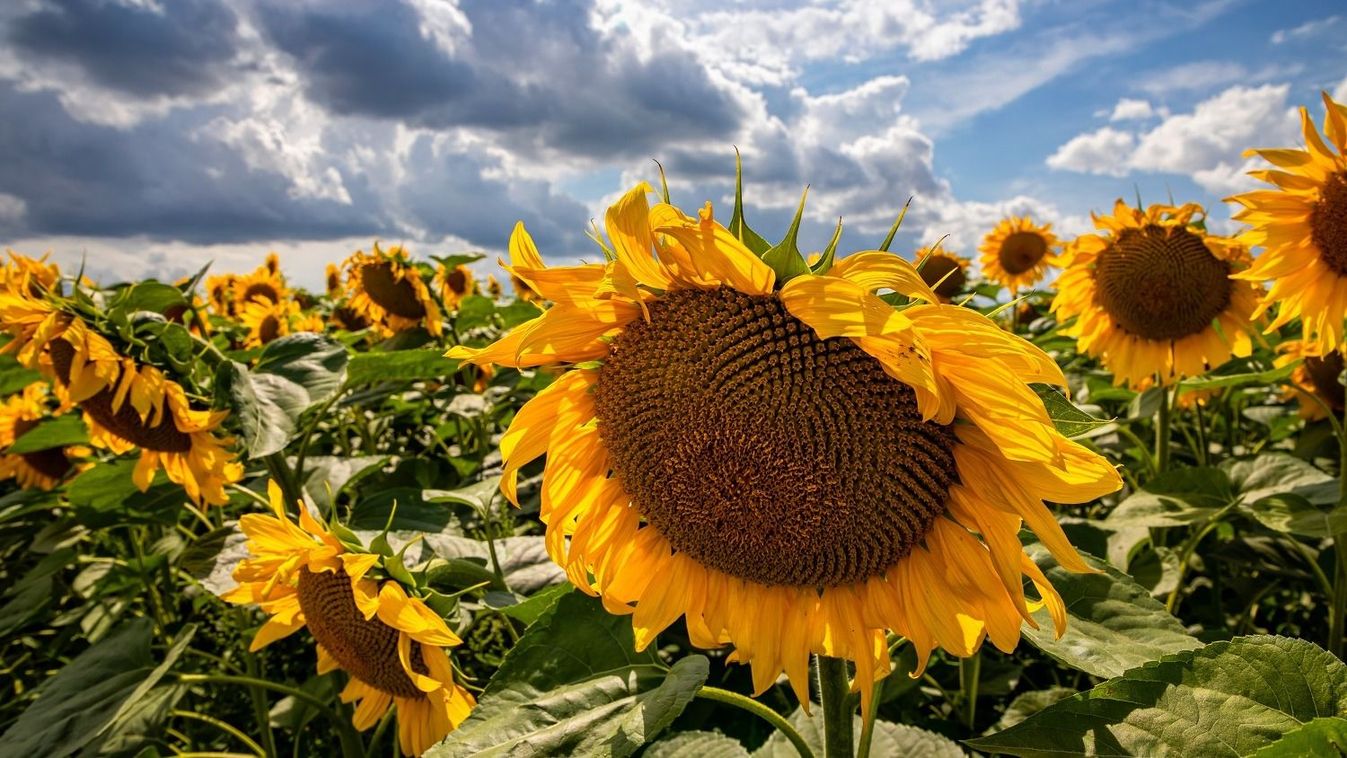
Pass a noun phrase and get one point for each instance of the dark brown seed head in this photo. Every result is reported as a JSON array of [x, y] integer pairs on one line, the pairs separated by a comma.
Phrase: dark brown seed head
[[1161, 283], [1328, 223], [397, 296], [1323, 373], [124, 422], [936, 268], [1021, 251]]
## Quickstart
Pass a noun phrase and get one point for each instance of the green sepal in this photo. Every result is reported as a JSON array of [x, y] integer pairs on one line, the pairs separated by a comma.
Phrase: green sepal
[[396, 568], [784, 257], [444, 605], [345, 536], [663, 185], [893, 230], [738, 226], [825, 261]]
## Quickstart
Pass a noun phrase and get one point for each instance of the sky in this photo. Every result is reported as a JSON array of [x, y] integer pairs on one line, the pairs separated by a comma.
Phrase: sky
[[149, 137]]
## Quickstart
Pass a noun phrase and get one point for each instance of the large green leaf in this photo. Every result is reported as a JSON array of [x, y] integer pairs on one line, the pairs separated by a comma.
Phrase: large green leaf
[[14, 376], [325, 476], [574, 685], [889, 739], [1113, 623], [1175, 498], [1277, 474], [293, 374], [1294, 514], [83, 699], [28, 597], [399, 365], [1326, 736], [107, 495], [696, 745], [1070, 420], [1226, 699], [53, 432]]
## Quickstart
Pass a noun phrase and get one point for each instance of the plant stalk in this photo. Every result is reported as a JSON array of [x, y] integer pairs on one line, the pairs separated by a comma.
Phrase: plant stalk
[[1162, 433], [752, 706], [834, 691]]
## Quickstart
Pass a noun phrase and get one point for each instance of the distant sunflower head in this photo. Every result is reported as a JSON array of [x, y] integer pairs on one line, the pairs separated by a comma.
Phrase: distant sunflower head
[[332, 277], [493, 288], [390, 643], [1017, 253], [1302, 227], [262, 284], [40, 469], [220, 294], [272, 264], [32, 275], [1152, 295], [266, 321], [386, 288], [945, 272], [1317, 383], [721, 440], [454, 283], [523, 290]]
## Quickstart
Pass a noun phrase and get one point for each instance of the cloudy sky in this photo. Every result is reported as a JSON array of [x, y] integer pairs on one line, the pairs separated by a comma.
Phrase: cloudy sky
[[147, 137]]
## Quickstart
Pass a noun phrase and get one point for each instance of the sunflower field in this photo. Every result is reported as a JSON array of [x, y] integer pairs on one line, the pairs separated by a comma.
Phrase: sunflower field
[[708, 495]]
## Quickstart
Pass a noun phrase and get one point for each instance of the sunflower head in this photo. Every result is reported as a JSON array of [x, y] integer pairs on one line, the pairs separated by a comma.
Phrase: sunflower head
[[220, 293], [945, 272], [332, 276], [1017, 253], [1152, 294], [262, 284], [493, 288], [35, 276], [724, 436], [1316, 382], [387, 289], [389, 642], [40, 469], [1302, 226], [267, 321], [454, 283]]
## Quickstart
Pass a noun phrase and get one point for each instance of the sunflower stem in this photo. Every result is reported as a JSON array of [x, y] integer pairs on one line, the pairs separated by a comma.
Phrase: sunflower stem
[[834, 689], [970, 672], [222, 726], [715, 694], [285, 478], [1162, 433]]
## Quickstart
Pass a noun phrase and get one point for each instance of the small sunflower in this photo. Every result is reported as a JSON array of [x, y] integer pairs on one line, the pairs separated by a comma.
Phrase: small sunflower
[[1302, 227], [272, 264], [220, 294], [1152, 296], [493, 288], [386, 289], [944, 272], [35, 275], [267, 321], [391, 644], [1018, 252], [454, 284], [793, 469], [40, 469], [263, 284], [1315, 379], [333, 280]]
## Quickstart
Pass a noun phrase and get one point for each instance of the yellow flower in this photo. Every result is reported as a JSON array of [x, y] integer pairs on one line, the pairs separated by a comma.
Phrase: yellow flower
[[1315, 379], [1018, 252], [41, 469], [386, 289], [1152, 296], [333, 276], [391, 644], [792, 469], [220, 293], [267, 321], [523, 291], [493, 287], [1302, 226], [454, 284], [262, 284], [944, 272], [272, 264]]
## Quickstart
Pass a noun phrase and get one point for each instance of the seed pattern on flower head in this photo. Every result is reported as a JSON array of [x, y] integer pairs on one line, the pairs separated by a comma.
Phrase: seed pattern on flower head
[[125, 421], [1021, 251], [1162, 283], [397, 296], [1328, 223]]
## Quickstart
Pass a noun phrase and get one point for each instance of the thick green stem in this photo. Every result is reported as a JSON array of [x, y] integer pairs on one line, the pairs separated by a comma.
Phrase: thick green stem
[[1162, 433], [752, 706], [970, 672], [834, 691], [868, 723], [284, 476]]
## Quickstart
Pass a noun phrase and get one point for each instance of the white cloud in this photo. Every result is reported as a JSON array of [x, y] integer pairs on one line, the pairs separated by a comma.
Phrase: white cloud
[[1307, 29], [12, 208], [1103, 151], [964, 224], [1340, 91], [1188, 77], [1129, 109]]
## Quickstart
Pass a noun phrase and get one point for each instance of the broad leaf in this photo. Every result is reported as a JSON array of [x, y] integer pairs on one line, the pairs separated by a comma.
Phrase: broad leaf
[[53, 432], [574, 685], [1294, 514], [1070, 420], [1325, 736], [1114, 624], [106, 495], [1278, 473], [152, 296], [325, 476], [1259, 378], [1027, 704], [29, 596], [293, 374], [214, 556], [399, 366], [696, 745], [1226, 699], [888, 739], [14, 376], [1175, 498]]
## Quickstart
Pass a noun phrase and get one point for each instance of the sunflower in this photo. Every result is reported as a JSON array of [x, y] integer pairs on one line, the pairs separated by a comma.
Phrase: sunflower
[[1315, 379], [267, 321], [493, 288], [386, 289], [272, 264], [390, 643], [454, 284], [263, 284], [1153, 296], [220, 293], [35, 275], [333, 280], [944, 272], [1018, 252], [40, 469], [1302, 227], [794, 469]]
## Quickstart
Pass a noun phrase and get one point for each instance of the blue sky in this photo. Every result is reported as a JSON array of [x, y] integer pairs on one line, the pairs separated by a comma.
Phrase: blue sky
[[149, 136]]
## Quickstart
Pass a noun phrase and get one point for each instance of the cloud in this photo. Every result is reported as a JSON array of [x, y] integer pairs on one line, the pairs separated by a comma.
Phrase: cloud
[[1129, 109], [1305, 31], [1188, 77], [1104, 151]]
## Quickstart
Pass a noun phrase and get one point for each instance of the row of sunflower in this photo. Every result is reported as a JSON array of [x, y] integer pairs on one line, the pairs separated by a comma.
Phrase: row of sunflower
[[705, 495]]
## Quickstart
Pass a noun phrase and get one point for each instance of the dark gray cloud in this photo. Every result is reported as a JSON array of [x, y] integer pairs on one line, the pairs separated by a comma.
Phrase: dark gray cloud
[[176, 50]]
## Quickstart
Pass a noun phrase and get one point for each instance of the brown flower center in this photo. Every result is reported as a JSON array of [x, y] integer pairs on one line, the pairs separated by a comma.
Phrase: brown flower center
[[264, 290], [397, 296], [1323, 373], [269, 329], [367, 649], [936, 267], [51, 462], [125, 422], [764, 452], [457, 281], [349, 318], [1328, 223], [1161, 283], [1021, 251]]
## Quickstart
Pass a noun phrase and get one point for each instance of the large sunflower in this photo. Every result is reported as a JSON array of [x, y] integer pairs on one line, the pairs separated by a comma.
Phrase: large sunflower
[[793, 469], [1302, 226], [391, 644], [40, 469], [387, 289], [1315, 381], [1018, 252], [1152, 295], [944, 272]]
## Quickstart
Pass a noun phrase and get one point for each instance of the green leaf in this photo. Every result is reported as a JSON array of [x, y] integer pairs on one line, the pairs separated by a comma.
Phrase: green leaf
[[825, 261], [479, 495], [738, 226], [293, 374], [893, 230], [516, 312], [315, 363], [524, 561], [889, 739], [101, 685], [1260, 379], [1113, 623], [399, 365], [574, 685], [1226, 699], [1027, 704], [1175, 498], [106, 496], [1278, 473], [1326, 736], [1293, 514], [413, 514], [53, 432], [458, 259], [784, 257], [155, 297], [212, 558], [532, 608], [14, 376], [696, 745], [325, 476], [28, 597], [1070, 420], [474, 311]]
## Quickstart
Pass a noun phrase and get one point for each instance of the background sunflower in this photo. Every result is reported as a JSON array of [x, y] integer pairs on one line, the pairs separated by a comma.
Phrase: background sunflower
[[1017, 253]]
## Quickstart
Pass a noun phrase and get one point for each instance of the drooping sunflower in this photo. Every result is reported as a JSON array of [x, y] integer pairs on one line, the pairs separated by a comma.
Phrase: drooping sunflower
[[944, 272], [1302, 227], [454, 284], [1316, 379], [387, 289], [390, 643], [126, 405], [33, 274], [40, 469], [1152, 295], [1018, 252], [262, 284], [793, 469]]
